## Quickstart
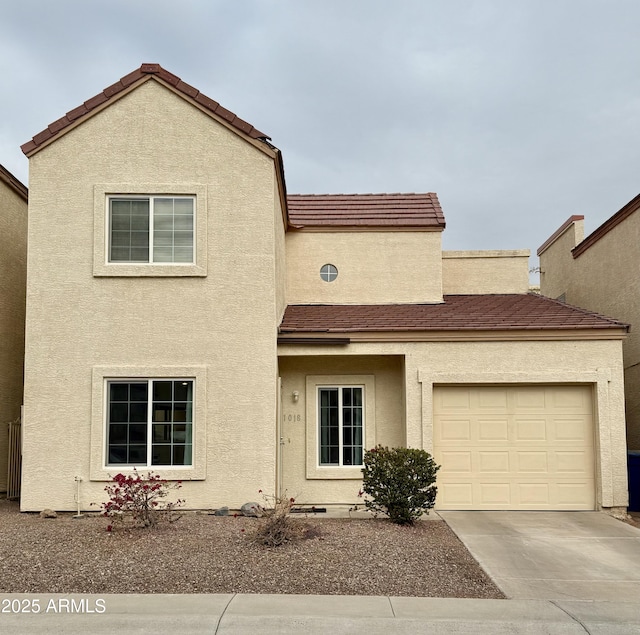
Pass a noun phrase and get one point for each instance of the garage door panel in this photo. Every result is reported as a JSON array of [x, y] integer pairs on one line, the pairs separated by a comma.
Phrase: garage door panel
[[536, 453], [491, 494], [533, 494], [491, 399], [571, 428], [455, 430], [493, 429], [530, 399], [458, 462], [455, 398], [528, 461], [527, 429], [571, 462], [493, 462], [457, 495]]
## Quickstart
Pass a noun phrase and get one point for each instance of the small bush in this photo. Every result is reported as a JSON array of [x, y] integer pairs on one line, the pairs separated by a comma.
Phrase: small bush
[[276, 527], [399, 482], [139, 499]]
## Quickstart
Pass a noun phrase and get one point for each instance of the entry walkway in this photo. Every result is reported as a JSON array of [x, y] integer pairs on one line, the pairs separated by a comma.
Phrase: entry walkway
[[554, 555]]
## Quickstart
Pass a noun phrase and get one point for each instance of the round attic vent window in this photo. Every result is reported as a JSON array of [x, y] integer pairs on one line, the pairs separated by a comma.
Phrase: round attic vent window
[[328, 273]]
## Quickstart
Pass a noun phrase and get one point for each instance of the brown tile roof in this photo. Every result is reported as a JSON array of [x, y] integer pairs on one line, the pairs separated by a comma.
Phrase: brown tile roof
[[632, 206], [143, 73], [14, 183], [368, 210], [456, 313]]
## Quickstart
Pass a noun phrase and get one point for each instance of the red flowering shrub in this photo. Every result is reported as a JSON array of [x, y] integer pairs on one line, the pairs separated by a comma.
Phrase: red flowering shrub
[[140, 499]]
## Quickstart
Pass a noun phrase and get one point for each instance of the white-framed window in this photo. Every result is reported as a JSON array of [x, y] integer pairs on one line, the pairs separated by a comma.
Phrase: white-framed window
[[151, 229], [328, 272], [149, 422], [340, 426]]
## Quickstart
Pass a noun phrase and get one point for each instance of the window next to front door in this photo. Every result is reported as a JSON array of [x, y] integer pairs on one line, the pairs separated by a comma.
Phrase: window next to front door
[[341, 425]]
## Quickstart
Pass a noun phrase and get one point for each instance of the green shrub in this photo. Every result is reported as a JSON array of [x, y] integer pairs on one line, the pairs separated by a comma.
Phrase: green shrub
[[399, 483]]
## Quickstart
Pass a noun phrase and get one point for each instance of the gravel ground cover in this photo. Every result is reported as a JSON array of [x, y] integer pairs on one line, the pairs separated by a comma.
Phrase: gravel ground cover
[[202, 553]]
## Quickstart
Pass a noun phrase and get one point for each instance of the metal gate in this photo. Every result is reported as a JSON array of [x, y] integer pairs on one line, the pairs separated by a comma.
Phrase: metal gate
[[15, 460]]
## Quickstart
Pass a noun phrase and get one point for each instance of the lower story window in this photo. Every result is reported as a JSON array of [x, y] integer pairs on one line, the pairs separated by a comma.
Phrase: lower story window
[[150, 422], [341, 425]]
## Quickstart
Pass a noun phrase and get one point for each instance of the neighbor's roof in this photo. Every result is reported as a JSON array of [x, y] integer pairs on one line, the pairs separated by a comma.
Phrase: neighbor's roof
[[365, 210], [632, 206], [456, 313], [145, 72], [17, 186]]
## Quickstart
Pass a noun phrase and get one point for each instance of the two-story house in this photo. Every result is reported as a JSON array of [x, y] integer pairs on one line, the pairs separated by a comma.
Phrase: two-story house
[[185, 315], [13, 276]]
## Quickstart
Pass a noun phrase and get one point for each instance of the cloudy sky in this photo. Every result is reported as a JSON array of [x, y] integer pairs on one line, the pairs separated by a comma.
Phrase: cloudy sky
[[518, 113]]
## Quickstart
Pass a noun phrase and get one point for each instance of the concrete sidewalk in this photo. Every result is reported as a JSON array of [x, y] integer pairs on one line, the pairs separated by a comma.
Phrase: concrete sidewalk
[[554, 555], [239, 614]]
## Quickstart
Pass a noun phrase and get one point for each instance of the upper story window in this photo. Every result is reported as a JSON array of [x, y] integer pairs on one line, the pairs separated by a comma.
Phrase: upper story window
[[151, 229], [328, 272]]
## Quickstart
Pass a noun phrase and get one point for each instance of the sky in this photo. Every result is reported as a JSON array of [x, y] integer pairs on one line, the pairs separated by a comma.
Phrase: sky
[[518, 113]]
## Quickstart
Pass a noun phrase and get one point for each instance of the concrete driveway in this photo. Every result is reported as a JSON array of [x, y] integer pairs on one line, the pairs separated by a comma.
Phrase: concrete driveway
[[554, 555]]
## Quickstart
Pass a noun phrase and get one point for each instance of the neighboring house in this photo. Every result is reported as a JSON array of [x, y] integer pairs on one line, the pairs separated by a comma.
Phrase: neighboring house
[[13, 277], [185, 315], [600, 273]]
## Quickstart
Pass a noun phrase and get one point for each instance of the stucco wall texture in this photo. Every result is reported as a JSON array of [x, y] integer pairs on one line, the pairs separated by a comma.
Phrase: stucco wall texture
[[13, 272], [499, 271], [226, 321], [373, 267], [429, 364], [603, 279]]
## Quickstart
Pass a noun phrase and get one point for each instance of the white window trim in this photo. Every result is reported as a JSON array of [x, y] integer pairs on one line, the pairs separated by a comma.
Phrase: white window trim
[[313, 468], [341, 423], [149, 422], [101, 265], [101, 375], [151, 198]]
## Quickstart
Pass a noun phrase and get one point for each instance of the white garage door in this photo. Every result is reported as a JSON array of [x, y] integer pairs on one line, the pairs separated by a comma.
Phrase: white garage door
[[514, 447]]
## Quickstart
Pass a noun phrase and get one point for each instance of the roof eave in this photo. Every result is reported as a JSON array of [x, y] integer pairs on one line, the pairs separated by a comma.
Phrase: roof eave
[[132, 81], [14, 183], [458, 335], [632, 206]]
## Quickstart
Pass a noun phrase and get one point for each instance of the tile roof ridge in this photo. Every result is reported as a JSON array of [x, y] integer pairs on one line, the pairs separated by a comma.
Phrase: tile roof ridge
[[366, 194], [146, 71]]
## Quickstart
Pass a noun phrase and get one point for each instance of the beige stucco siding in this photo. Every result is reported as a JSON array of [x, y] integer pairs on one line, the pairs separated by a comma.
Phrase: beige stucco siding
[[373, 267], [557, 266], [382, 376], [13, 256], [485, 272], [224, 322], [280, 256], [430, 364], [604, 279]]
